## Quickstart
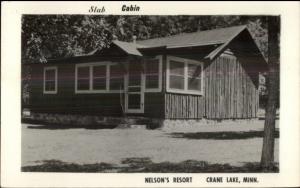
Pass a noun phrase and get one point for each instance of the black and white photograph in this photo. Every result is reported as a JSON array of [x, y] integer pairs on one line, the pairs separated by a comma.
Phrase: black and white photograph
[[150, 93]]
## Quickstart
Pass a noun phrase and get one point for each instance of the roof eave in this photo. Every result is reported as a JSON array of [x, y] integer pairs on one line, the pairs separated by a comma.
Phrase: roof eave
[[221, 48], [128, 52]]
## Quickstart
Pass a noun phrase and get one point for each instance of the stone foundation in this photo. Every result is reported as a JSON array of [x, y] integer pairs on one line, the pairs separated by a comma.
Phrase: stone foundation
[[86, 120]]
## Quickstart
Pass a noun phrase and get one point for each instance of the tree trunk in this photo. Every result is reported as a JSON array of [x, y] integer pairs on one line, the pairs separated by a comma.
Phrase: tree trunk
[[267, 157]]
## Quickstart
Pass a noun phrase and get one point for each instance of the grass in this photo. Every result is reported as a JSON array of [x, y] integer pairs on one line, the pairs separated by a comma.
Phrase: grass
[[138, 165], [221, 135], [59, 166]]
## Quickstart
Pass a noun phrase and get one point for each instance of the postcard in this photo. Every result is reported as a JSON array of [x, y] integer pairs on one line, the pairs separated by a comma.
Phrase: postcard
[[150, 94]]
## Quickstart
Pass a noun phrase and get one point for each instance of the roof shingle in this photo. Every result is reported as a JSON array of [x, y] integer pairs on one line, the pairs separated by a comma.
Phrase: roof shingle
[[220, 37], [201, 38]]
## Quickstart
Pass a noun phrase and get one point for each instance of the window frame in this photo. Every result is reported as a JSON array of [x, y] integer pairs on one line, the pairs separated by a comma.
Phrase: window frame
[[92, 78], [44, 80], [186, 62], [177, 75], [150, 90], [109, 77], [89, 77], [198, 77], [91, 65]]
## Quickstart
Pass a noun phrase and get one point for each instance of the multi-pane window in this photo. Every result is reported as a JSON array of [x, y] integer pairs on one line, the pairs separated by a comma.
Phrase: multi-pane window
[[83, 78], [99, 77], [116, 81], [176, 75], [184, 76], [194, 77], [50, 80]]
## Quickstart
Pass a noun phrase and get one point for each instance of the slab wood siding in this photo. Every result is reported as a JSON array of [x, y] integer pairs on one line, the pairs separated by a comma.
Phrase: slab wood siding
[[230, 89], [181, 106]]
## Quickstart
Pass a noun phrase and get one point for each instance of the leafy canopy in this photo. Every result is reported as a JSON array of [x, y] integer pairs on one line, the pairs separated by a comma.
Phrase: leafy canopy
[[54, 36]]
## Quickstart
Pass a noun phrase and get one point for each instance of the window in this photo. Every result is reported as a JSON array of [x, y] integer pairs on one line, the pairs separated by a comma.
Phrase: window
[[116, 79], [98, 77], [83, 78], [50, 80], [153, 74], [194, 77], [176, 75], [184, 76]]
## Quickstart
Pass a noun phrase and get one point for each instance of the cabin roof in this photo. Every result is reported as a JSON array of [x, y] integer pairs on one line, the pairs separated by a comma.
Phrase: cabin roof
[[129, 47], [216, 39], [200, 38]]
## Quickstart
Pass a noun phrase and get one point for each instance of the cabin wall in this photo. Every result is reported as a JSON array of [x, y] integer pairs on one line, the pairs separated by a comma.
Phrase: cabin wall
[[231, 88], [230, 91], [154, 105], [155, 101], [66, 101], [182, 106]]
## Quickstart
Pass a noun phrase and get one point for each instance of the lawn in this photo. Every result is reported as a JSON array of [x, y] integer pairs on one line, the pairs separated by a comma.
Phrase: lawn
[[179, 148]]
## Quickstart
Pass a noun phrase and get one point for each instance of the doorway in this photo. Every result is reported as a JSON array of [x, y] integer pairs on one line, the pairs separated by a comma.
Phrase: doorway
[[134, 93]]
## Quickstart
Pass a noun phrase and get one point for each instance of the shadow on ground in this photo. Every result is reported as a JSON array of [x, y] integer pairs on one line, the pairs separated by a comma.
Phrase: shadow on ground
[[137, 165], [226, 135], [52, 126]]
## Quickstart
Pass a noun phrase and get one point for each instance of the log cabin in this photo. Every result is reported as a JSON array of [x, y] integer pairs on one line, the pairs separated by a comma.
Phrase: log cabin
[[209, 74]]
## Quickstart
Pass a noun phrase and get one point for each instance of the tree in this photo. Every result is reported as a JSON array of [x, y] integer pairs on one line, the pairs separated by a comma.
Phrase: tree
[[267, 157], [54, 36]]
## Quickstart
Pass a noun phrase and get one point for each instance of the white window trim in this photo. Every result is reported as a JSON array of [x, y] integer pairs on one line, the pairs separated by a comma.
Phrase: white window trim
[[159, 57], [44, 82], [107, 64], [142, 93], [186, 62]]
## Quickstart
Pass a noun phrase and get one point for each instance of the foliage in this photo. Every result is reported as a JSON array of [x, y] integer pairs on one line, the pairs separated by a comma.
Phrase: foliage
[[53, 36], [146, 165]]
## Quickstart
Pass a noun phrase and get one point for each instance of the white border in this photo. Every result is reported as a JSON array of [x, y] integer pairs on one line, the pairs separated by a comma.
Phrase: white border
[[44, 80], [10, 93], [185, 62]]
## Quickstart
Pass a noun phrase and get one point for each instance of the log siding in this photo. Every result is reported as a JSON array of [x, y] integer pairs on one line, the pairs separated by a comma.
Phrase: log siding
[[230, 92], [182, 106], [230, 89]]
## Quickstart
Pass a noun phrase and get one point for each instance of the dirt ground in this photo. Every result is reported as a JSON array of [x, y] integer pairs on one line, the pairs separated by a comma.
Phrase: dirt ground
[[84, 146]]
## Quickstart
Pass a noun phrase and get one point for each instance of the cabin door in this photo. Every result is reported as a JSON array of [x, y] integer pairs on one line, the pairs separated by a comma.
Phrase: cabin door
[[134, 96]]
